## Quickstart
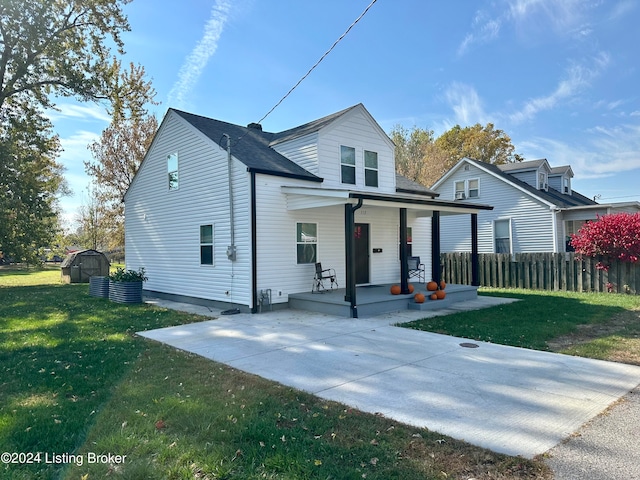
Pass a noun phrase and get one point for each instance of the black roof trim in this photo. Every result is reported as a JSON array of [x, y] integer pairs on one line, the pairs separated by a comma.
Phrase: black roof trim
[[418, 201]]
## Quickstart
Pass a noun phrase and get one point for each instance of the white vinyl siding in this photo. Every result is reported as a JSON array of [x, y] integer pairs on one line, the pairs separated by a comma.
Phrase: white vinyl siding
[[302, 150], [163, 231], [531, 220]]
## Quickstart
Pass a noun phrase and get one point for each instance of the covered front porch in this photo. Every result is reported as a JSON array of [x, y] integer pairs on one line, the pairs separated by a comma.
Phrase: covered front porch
[[377, 299]]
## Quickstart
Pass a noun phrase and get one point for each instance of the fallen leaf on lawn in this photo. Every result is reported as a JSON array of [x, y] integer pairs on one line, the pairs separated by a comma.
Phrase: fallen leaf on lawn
[[160, 425], [317, 463], [374, 461]]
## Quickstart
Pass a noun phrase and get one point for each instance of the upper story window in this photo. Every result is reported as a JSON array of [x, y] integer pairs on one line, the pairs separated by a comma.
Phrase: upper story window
[[542, 181], [348, 164], [566, 186], [370, 168], [172, 169], [466, 189]]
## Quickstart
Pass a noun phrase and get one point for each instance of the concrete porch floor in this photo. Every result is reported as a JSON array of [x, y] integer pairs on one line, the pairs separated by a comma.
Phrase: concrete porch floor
[[377, 299]]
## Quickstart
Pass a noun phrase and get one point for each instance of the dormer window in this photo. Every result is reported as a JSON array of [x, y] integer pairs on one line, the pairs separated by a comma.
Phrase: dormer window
[[566, 186], [542, 181]]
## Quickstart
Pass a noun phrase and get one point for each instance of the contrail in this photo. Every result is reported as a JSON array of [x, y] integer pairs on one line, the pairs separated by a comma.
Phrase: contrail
[[197, 60]]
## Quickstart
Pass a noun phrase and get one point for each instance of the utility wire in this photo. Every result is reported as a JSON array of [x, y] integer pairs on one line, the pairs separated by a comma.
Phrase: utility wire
[[320, 60]]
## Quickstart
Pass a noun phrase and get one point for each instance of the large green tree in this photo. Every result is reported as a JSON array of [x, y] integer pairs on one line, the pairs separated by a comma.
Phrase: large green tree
[[48, 48], [118, 153], [423, 158], [485, 144]]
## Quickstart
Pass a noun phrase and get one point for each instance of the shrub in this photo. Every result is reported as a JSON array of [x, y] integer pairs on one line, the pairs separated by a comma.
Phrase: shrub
[[612, 237], [122, 275]]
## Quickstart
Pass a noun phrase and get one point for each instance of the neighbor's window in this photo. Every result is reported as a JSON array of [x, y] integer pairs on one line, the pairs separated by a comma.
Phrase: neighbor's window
[[474, 188], [542, 181], [502, 235], [206, 244], [348, 164], [307, 242], [370, 169], [459, 190], [172, 168]]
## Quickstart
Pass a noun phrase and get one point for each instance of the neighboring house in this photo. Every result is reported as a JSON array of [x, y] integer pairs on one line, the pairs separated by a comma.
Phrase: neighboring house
[[226, 226], [536, 208]]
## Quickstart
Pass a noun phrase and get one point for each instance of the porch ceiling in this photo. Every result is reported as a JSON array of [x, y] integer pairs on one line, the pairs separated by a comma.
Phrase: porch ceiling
[[299, 198]]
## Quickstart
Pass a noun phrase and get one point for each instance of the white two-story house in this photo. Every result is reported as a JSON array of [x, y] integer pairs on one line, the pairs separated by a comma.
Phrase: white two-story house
[[222, 213], [535, 209]]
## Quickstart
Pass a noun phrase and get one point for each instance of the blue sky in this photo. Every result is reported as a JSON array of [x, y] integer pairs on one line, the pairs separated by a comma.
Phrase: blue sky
[[561, 77]]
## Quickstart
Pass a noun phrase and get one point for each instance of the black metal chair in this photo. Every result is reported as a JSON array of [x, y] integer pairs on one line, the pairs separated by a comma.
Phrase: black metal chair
[[415, 268], [320, 277]]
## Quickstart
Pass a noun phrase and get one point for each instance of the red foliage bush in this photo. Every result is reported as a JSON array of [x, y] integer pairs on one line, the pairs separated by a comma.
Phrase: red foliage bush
[[613, 237]]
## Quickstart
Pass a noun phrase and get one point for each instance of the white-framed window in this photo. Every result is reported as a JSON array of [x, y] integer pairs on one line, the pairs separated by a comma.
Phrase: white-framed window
[[502, 235], [542, 181], [348, 164], [172, 170], [370, 168], [206, 244], [566, 185], [463, 189], [306, 242]]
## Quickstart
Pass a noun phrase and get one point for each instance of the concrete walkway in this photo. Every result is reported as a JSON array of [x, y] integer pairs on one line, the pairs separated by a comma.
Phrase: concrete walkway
[[510, 400]]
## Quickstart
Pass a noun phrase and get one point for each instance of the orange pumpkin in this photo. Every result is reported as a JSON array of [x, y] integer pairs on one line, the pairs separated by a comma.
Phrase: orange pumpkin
[[411, 289], [395, 289], [419, 298], [433, 296], [442, 284], [432, 286], [440, 294]]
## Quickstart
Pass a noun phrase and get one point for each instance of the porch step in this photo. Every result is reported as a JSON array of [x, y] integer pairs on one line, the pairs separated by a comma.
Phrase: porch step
[[376, 300]]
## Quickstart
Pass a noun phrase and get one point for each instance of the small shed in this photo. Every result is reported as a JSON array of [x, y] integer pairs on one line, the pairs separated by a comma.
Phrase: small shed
[[81, 265]]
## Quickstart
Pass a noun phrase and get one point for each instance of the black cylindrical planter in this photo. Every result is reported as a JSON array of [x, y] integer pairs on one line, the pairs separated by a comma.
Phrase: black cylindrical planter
[[99, 287], [125, 292]]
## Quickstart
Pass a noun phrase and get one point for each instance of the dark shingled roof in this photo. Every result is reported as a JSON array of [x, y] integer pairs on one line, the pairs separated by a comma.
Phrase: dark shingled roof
[[250, 146], [405, 185], [551, 195]]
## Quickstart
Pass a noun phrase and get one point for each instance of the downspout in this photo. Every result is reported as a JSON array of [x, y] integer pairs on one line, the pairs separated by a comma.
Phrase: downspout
[[231, 249], [555, 211], [254, 246], [350, 258]]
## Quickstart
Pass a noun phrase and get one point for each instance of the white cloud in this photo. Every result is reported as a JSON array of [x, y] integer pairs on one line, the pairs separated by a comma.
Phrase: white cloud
[[608, 151], [578, 77], [197, 60], [564, 17], [77, 111], [466, 104]]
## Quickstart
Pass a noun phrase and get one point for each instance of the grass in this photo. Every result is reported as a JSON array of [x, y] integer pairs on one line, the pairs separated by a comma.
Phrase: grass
[[603, 326], [75, 379]]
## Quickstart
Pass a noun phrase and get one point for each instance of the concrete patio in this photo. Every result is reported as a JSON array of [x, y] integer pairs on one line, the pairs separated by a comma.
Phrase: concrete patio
[[510, 400]]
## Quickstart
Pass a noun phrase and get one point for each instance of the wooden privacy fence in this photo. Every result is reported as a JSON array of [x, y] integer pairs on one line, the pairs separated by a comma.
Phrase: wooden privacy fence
[[542, 271]]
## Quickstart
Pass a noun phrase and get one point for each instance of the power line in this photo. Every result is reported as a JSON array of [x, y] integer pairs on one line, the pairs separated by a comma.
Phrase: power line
[[318, 62]]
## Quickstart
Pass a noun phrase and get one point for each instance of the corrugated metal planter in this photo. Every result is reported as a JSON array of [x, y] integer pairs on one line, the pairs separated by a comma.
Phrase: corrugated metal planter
[[99, 287], [125, 292]]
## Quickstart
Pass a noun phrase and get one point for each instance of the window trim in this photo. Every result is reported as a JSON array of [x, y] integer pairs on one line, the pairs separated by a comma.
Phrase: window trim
[[466, 190], [207, 244], [510, 235], [316, 243], [348, 165], [371, 169], [176, 171]]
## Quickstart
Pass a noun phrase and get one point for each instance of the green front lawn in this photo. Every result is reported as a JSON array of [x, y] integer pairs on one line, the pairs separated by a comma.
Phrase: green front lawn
[[596, 325], [76, 380]]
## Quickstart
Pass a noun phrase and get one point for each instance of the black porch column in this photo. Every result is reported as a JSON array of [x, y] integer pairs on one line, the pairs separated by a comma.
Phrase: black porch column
[[350, 257], [475, 262], [404, 267], [435, 247]]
